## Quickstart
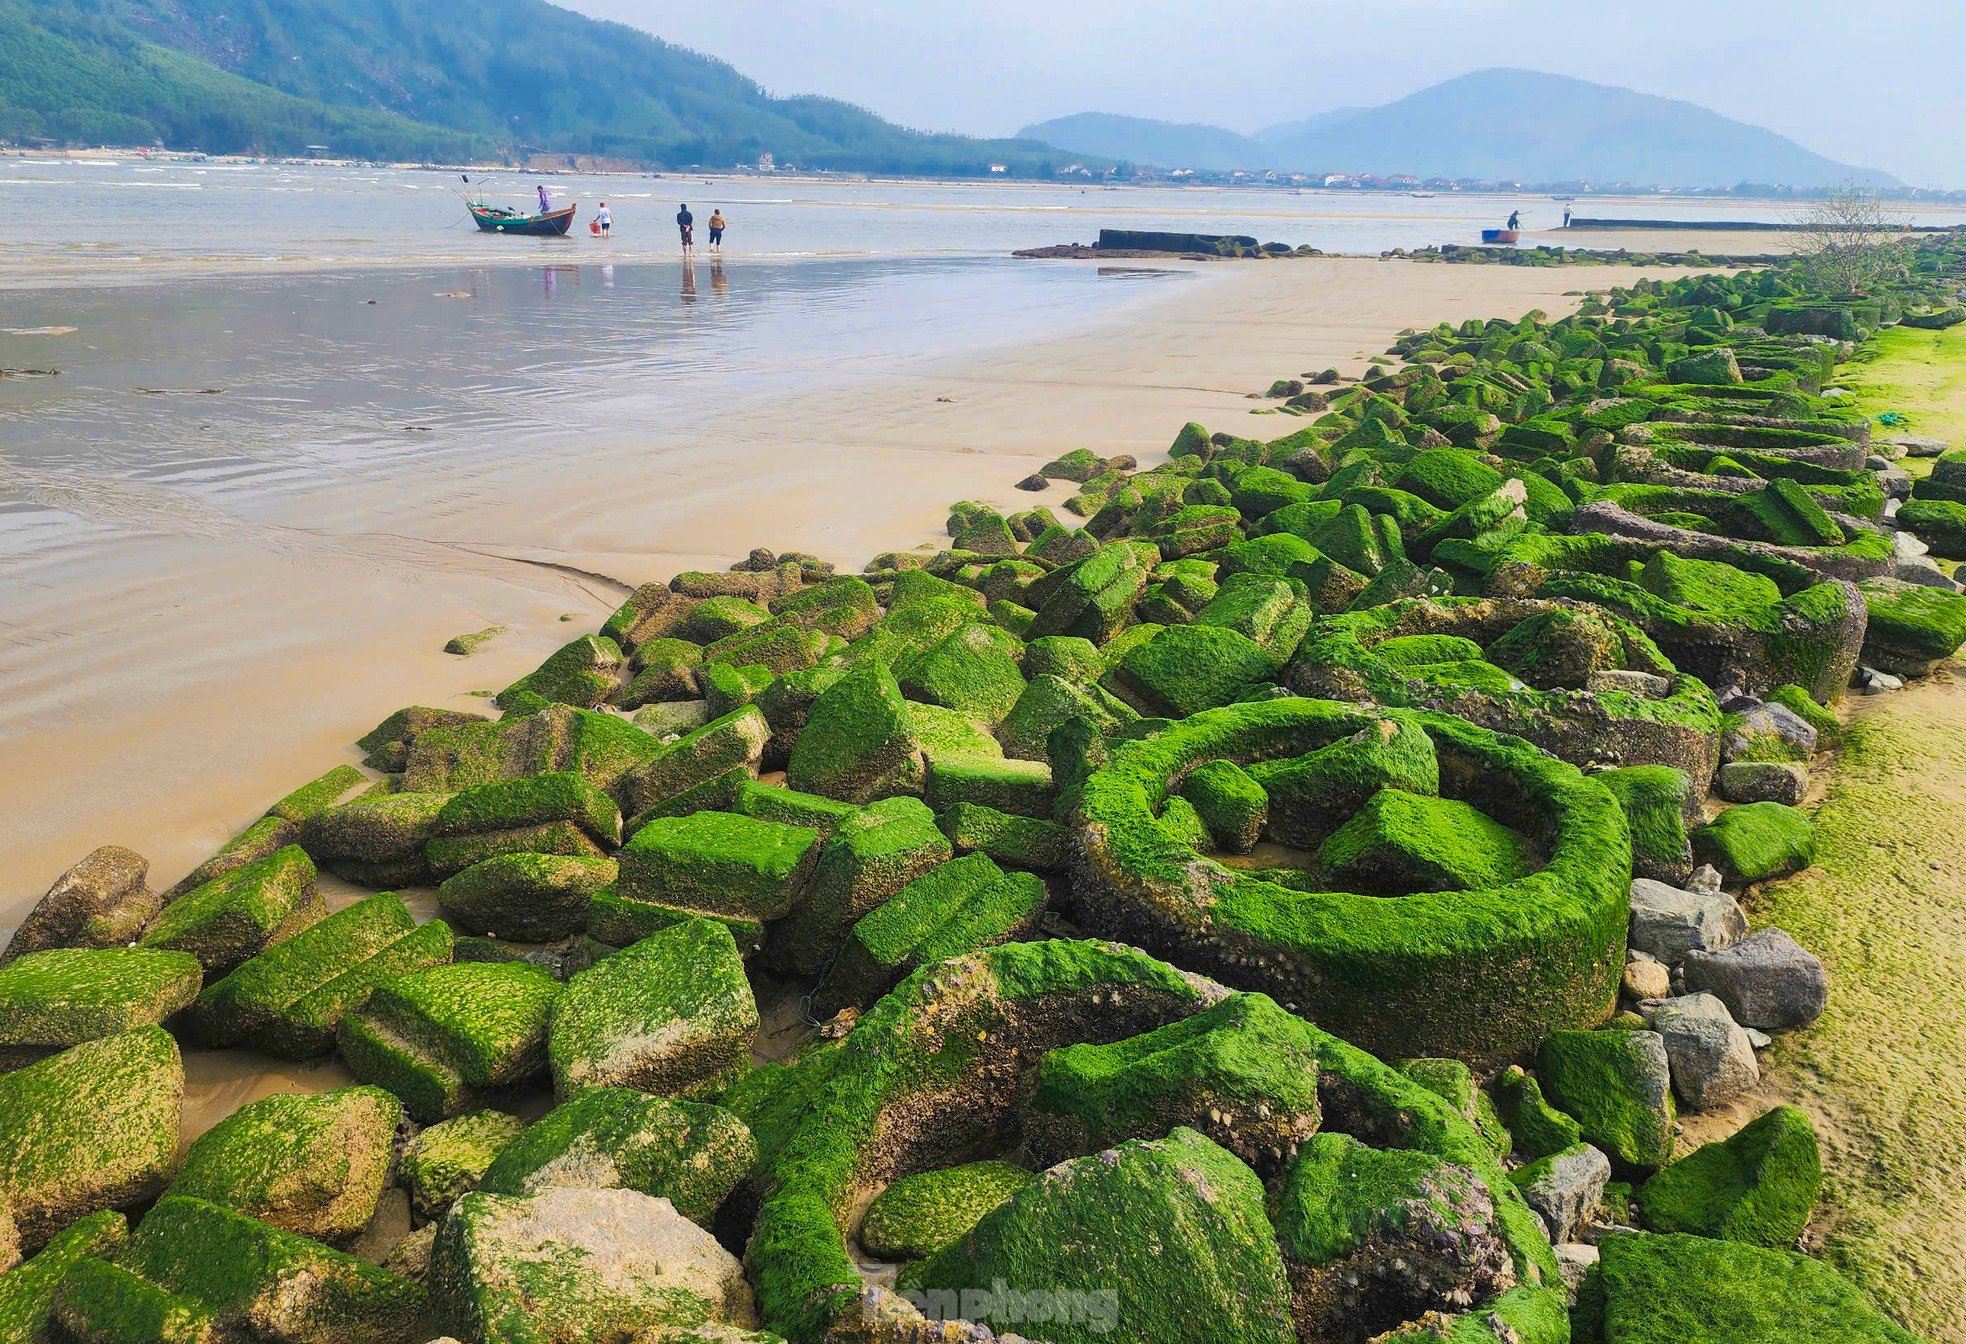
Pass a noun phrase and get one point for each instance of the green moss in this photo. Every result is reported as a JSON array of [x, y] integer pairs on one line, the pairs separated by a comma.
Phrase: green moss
[[1340, 1197], [315, 1164], [1939, 523], [1790, 516], [1758, 841], [790, 807], [289, 999], [1693, 1290], [1453, 1082], [1232, 806], [718, 862], [919, 1215], [1244, 1072], [1273, 613], [532, 801], [1537, 1129], [1401, 842], [63, 996], [435, 1037], [872, 855], [1910, 624], [1022, 788], [617, 921], [525, 897], [92, 1128], [973, 670], [445, 1162], [617, 1138], [715, 618], [857, 740], [234, 916], [1021, 842], [672, 1014], [375, 840], [954, 908], [463, 646], [1093, 598], [1211, 1272], [582, 673], [733, 742], [200, 1259], [28, 1290], [1654, 799], [1189, 668], [1312, 794], [1614, 1083], [1758, 1186]]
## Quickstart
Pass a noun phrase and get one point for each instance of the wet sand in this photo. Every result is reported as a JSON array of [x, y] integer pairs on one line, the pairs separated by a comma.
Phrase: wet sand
[[214, 663]]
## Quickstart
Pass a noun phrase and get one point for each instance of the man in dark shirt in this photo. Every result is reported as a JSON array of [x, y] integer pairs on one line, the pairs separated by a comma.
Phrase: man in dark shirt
[[686, 225]]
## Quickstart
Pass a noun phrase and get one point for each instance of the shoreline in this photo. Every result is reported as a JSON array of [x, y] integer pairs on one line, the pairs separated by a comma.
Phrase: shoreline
[[389, 591]]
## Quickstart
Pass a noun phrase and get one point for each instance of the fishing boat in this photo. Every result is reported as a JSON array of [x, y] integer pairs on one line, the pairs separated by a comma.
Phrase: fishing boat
[[501, 219], [1500, 235]]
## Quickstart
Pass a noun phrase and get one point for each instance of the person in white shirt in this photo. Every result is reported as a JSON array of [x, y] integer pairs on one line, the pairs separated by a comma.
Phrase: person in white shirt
[[605, 219]]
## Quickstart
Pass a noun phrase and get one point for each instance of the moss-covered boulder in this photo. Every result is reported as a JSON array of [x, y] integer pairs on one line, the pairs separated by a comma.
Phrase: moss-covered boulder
[[857, 744], [1093, 597], [1186, 669], [719, 863], [1243, 1072], [439, 1038], [1677, 1289], [556, 813], [100, 902], [28, 1290], [1757, 841], [1536, 1128], [956, 907], [1400, 843], [672, 1014], [617, 1138], [1022, 788], [1912, 627], [1373, 1238], [731, 744], [974, 670], [919, 1215], [242, 913], [1232, 805], [288, 1000], [1171, 1230], [870, 856], [61, 997], [582, 673], [527, 898], [376, 841], [1455, 1083], [196, 1271], [1019, 842], [1656, 800], [92, 1128], [1758, 1186], [445, 1162], [567, 1266], [1616, 1084], [315, 1164], [1311, 795]]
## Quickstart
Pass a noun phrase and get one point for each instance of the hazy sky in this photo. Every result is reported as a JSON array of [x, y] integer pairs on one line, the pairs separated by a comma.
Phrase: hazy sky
[[1871, 84]]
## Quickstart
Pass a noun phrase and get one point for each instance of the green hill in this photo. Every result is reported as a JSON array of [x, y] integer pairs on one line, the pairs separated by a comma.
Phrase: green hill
[[389, 78]]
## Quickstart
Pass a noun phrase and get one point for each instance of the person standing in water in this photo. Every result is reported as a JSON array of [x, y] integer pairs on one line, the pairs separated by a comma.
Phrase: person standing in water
[[686, 226], [1515, 220], [717, 229], [605, 219], [545, 201]]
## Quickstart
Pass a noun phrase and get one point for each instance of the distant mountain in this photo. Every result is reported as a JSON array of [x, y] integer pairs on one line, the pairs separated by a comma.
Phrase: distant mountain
[[1502, 125], [1166, 144], [389, 78]]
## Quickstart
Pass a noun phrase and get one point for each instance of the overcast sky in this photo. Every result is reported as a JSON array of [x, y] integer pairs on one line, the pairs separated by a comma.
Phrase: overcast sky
[[1872, 84]]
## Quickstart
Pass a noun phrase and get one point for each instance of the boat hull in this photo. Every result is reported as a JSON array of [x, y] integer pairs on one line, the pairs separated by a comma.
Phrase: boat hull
[[554, 223], [1500, 235]]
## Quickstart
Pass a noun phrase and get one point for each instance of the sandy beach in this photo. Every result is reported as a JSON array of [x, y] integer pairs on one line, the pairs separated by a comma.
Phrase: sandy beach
[[163, 702]]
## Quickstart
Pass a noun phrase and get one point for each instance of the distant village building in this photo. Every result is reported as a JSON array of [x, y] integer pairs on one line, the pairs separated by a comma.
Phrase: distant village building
[[766, 164], [999, 167]]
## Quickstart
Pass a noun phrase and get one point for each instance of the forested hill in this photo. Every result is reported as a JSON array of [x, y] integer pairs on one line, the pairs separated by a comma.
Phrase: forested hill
[[402, 79]]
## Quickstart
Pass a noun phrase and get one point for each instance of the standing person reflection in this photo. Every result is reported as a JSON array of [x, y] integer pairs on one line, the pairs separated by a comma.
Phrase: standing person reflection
[[689, 280]]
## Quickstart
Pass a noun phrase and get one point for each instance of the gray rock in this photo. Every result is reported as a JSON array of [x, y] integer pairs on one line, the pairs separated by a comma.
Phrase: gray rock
[[1574, 1260], [1767, 980], [1923, 572], [102, 901], [1705, 878], [1908, 546], [1645, 684], [1669, 923], [1646, 977], [1870, 681], [1769, 720], [1711, 1057], [1762, 782], [1759, 1039], [1564, 1188], [1919, 445], [1895, 482]]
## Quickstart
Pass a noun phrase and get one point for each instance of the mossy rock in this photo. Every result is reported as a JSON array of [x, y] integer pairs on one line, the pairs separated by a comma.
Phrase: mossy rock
[[1400, 843], [583, 673], [1243, 1072], [1616, 1085], [375, 840], [195, 1270], [438, 1038], [1678, 1289], [288, 1000], [1021, 842], [955, 907], [919, 1215], [1273, 613], [973, 671], [445, 1162], [871, 855], [1186, 669], [1758, 1186], [1454, 1082], [315, 1164], [617, 1138], [1311, 795], [28, 1290], [732, 742], [1231, 804], [92, 1128], [1209, 1271], [1656, 800], [566, 1266], [237, 915], [1020, 787], [1911, 626], [790, 807], [1757, 841], [1048, 701], [1376, 1237], [532, 898], [1536, 1129], [857, 744], [61, 997], [672, 1014], [719, 862], [617, 922]]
